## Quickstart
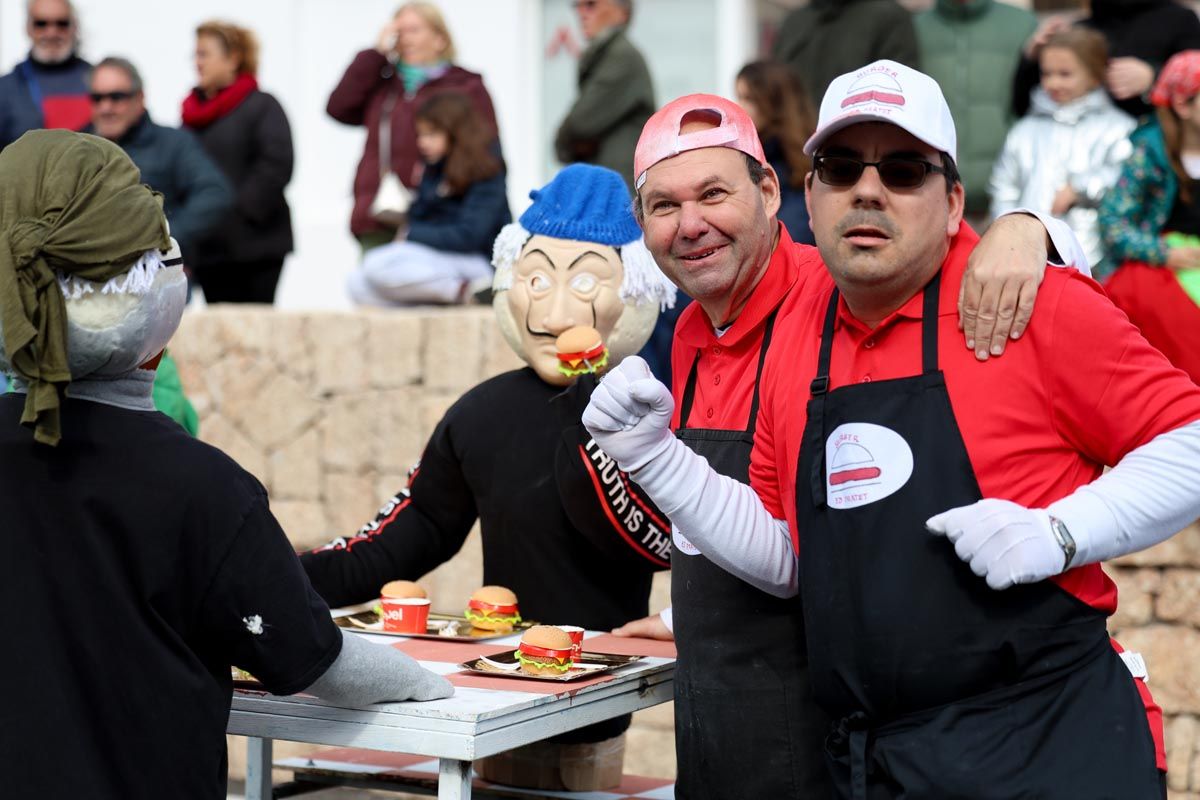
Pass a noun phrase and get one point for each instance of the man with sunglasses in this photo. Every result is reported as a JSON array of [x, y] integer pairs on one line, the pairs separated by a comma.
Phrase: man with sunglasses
[[195, 193], [49, 88], [979, 666], [707, 203], [616, 96]]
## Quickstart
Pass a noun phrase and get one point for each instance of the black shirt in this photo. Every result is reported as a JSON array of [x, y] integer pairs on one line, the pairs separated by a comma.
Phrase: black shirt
[[562, 527], [139, 565]]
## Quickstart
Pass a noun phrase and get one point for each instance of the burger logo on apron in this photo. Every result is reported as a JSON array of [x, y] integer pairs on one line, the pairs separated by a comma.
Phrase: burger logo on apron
[[864, 463]]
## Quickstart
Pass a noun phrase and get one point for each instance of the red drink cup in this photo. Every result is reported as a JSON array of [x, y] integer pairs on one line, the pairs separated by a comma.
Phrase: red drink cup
[[576, 634], [405, 614]]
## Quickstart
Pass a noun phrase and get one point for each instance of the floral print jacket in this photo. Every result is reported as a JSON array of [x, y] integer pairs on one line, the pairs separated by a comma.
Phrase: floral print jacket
[[1134, 211]]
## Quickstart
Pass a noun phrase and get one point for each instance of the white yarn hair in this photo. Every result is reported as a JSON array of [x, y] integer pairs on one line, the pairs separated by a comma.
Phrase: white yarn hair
[[137, 281], [643, 281]]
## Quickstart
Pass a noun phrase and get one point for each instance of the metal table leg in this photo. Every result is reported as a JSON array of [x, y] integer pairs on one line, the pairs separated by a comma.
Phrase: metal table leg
[[454, 780], [258, 768]]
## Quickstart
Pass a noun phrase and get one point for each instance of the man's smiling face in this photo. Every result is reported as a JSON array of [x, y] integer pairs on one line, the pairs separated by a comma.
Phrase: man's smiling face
[[709, 226]]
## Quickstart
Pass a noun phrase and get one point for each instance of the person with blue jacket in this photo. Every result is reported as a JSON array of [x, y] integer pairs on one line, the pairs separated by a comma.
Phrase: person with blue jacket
[[195, 193], [49, 88], [443, 249]]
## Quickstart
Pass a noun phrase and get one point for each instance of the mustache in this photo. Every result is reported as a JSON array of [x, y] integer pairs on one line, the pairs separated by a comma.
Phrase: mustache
[[863, 219]]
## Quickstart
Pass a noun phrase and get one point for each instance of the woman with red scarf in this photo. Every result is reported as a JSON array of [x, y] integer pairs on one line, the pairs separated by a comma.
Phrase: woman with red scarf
[[246, 133]]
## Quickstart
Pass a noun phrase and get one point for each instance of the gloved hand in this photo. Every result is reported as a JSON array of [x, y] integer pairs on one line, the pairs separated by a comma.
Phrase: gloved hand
[[1002, 541], [629, 415]]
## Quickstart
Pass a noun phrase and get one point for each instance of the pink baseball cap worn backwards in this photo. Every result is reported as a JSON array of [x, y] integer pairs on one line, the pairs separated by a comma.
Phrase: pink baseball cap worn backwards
[[886, 91], [661, 138]]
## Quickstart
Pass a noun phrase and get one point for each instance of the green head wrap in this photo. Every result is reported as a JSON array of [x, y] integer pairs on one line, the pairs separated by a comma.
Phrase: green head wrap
[[69, 203]]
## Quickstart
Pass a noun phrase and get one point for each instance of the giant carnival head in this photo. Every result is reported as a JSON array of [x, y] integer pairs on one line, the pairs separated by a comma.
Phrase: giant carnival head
[[91, 284], [576, 258]]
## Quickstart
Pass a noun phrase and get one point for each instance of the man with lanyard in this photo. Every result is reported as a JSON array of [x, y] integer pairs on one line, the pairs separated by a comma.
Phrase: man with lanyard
[[49, 89], [745, 697]]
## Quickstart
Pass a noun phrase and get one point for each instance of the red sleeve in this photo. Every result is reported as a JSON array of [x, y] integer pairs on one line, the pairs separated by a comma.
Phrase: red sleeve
[[348, 102], [1110, 390]]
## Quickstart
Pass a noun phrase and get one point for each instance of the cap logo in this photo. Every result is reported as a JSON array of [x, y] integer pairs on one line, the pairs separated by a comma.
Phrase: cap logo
[[878, 86]]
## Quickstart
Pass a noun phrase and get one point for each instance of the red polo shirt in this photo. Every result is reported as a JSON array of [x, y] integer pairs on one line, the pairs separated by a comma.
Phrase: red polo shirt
[[725, 373], [1077, 392]]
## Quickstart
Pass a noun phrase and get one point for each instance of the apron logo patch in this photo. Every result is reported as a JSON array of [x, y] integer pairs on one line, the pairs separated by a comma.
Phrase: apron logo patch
[[864, 463], [682, 545]]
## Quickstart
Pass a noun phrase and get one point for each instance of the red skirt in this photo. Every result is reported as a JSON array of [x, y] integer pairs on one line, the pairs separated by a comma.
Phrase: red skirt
[[1155, 302]]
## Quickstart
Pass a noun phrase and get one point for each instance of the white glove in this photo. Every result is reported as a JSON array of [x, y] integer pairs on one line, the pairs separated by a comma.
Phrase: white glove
[[629, 415], [1002, 541]]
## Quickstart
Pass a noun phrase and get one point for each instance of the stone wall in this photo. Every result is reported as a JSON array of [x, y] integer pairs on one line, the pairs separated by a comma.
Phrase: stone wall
[[329, 410]]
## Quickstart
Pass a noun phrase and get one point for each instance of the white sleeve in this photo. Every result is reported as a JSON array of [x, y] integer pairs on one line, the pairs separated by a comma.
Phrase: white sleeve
[[1068, 247], [723, 518], [1147, 497], [668, 618]]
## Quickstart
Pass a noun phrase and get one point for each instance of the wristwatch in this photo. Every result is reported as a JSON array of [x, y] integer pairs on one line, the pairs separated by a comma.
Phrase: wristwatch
[[1065, 540]]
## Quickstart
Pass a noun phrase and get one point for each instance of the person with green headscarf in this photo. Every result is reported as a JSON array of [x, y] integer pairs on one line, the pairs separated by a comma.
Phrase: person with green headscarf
[[150, 560]]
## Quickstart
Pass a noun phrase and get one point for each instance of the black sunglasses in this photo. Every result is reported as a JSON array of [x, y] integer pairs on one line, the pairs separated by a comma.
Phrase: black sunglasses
[[61, 24], [896, 173], [117, 97]]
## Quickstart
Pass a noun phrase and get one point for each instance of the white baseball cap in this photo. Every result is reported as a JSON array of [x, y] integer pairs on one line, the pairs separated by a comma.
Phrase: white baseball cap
[[886, 91]]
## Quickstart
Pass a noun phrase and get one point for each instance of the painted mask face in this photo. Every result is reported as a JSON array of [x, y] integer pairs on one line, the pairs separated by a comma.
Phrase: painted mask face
[[558, 284]]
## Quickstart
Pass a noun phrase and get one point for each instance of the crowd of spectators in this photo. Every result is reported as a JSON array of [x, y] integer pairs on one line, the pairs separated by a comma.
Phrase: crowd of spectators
[[1069, 115]]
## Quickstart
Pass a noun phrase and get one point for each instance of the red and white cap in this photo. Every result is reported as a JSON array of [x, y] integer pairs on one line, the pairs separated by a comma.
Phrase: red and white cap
[[661, 138], [886, 91]]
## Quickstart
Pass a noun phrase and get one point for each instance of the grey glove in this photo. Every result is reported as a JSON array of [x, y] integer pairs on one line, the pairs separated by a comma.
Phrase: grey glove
[[366, 673]]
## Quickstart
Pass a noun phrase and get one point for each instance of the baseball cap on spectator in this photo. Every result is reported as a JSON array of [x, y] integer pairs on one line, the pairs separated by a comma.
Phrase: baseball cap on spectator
[[886, 91], [661, 138]]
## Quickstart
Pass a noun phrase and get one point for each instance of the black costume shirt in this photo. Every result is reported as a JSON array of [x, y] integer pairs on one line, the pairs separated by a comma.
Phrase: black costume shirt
[[562, 526], [139, 565]]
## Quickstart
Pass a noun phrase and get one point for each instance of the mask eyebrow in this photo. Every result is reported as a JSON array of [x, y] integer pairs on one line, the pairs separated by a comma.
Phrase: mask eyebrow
[[581, 257]]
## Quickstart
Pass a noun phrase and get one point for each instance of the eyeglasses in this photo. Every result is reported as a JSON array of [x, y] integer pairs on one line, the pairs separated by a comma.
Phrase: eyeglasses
[[896, 173], [61, 24], [117, 97]]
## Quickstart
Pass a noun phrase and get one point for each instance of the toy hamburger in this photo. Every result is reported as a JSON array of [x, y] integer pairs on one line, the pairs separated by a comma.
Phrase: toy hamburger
[[545, 650], [402, 590], [580, 351], [493, 608]]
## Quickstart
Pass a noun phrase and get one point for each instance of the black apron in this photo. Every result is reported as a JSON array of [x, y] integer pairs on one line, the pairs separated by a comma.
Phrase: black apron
[[745, 722], [943, 687]]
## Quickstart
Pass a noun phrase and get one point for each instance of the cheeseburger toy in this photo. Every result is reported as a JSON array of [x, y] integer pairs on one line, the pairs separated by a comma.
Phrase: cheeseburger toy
[[402, 590], [561, 526], [493, 608], [545, 650], [580, 351]]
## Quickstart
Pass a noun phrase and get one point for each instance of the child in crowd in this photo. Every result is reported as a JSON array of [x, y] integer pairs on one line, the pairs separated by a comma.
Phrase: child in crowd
[[460, 206], [776, 100], [1066, 153], [1151, 219]]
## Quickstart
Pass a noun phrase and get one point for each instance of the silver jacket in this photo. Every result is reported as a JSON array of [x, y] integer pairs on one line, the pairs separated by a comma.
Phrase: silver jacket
[[1081, 143]]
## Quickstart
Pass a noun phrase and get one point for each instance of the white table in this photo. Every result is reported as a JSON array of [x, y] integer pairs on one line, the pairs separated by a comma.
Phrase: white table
[[472, 724]]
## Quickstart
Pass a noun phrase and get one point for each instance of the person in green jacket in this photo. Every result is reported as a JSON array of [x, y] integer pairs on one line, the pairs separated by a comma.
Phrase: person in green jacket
[[828, 38], [616, 95], [972, 49], [169, 397]]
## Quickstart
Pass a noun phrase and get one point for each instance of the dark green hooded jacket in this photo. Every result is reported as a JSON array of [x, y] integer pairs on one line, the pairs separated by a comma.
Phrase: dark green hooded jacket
[[828, 38], [972, 48]]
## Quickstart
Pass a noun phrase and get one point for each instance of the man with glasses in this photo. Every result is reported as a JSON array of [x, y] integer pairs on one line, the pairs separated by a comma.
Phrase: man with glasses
[[196, 194], [49, 88], [707, 202], [960, 652], [616, 96]]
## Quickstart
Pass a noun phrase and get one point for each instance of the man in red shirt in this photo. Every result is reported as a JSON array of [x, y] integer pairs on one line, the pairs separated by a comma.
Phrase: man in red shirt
[[926, 667], [739, 695]]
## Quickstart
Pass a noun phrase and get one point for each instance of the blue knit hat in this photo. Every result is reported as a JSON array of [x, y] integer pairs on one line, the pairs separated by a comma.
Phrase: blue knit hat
[[583, 202]]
